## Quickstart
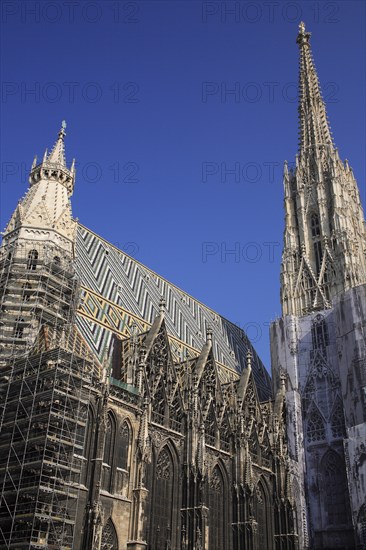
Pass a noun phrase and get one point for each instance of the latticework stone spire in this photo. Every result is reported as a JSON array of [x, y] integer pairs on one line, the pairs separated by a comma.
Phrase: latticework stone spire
[[314, 130], [325, 238]]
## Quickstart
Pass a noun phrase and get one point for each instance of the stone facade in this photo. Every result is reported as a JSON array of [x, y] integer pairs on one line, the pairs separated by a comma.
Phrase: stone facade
[[123, 422], [134, 417], [319, 344]]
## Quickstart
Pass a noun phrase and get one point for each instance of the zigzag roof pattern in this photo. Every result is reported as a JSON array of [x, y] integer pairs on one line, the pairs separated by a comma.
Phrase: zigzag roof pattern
[[119, 293]]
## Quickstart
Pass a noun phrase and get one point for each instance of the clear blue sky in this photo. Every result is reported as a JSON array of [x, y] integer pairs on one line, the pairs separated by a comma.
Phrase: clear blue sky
[[145, 89]]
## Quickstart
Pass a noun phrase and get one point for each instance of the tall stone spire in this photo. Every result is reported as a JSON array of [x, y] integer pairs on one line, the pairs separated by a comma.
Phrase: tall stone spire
[[324, 239], [314, 128]]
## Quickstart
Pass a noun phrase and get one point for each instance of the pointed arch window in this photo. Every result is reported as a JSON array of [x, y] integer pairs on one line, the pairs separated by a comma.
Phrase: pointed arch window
[[315, 225], [32, 260], [225, 433], [315, 233], [337, 423], [210, 426], [176, 412], [261, 515], [319, 333], [159, 405], [123, 447], [335, 489], [315, 427], [163, 506], [217, 510], [109, 444], [109, 537]]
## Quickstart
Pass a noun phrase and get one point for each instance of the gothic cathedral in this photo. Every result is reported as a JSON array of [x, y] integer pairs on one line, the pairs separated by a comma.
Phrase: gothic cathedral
[[133, 417], [319, 344]]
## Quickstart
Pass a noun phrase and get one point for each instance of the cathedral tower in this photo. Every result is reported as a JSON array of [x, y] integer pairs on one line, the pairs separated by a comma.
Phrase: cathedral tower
[[319, 343], [325, 237], [45, 372], [39, 238]]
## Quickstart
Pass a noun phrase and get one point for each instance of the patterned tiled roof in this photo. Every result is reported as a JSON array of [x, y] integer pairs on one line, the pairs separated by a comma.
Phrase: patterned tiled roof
[[119, 293]]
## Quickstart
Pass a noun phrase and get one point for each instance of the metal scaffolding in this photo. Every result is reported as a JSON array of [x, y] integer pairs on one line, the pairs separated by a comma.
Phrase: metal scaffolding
[[46, 379]]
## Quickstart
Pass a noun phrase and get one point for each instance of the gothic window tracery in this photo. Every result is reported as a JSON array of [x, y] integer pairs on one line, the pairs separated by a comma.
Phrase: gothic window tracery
[[109, 443], [319, 333], [225, 434], [211, 426], [315, 225], [176, 412], [337, 420], [163, 506], [315, 427], [123, 446], [335, 488], [158, 357], [250, 399], [317, 245], [216, 501], [109, 537], [253, 442], [307, 290], [159, 403], [208, 380], [261, 516]]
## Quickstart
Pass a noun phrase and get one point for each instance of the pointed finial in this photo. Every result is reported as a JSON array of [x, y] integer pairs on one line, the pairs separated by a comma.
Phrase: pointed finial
[[162, 305], [57, 154], [249, 358], [303, 37], [283, 378], [34, 162]]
